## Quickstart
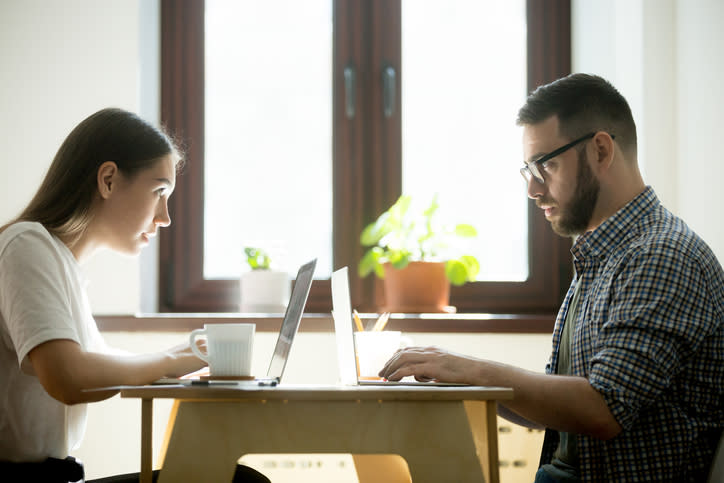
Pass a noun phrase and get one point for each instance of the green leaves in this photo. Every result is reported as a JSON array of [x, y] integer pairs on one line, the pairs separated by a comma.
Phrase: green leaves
[[463, 269], [391, 221], [401, 235], [371, 262], [467, 231], [376, 257], [257, 258]]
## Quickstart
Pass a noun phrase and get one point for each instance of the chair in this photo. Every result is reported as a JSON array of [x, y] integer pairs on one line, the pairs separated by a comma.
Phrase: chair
[[716, 475]]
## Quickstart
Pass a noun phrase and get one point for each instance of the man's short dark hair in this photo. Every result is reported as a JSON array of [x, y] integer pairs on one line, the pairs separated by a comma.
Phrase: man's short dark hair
[[583, 103]]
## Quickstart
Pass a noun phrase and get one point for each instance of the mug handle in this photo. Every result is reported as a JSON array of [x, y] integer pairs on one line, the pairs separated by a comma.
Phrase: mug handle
[[194, 348]]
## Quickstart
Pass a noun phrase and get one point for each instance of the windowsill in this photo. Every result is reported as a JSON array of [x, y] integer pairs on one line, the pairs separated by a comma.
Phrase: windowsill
[[474, 323]]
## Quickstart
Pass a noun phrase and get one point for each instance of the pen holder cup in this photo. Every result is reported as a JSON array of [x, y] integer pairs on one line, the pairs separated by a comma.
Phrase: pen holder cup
[[374, 348]]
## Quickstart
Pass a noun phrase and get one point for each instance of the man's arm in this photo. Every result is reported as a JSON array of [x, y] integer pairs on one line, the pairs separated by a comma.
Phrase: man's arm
[[516, 418], [65, 370], [563, 403]]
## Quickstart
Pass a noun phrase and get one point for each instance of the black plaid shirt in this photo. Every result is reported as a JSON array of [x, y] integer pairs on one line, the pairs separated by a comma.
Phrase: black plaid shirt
[[649, 337]]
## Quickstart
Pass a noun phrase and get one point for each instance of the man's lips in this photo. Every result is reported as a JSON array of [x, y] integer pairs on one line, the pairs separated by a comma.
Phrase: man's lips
[[547, 208]]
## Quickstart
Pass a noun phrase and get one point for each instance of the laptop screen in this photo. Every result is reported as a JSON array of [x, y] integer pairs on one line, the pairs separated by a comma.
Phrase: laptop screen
[[292, 318], [342, 315]]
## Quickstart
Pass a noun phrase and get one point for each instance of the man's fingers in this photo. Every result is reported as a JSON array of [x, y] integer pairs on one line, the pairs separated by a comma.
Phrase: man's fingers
[[410, 361], [410, 369]]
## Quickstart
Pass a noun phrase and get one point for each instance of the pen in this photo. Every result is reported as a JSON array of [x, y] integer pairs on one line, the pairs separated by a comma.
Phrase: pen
[[213, 383], [357, 321]]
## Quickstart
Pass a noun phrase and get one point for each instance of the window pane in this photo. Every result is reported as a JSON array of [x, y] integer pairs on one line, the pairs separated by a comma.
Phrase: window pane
[[268, 165], [463, 81]]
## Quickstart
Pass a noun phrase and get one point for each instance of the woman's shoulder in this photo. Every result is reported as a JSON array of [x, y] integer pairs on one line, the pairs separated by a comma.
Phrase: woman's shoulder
[[28, 231], [19, 228]]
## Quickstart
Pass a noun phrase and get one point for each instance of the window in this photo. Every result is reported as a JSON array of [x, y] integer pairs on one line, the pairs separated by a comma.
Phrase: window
[[393, 90]]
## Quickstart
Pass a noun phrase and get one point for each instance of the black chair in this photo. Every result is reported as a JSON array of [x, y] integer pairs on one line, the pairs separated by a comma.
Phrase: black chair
[[52, 470], [716, 474], [242, 474]]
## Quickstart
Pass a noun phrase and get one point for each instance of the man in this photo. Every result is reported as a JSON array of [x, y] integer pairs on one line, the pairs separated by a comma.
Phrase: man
[[633, 390]]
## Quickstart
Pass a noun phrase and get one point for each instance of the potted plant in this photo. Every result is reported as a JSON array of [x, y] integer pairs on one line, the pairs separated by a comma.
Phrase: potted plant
[[263, 289], [416, 257]]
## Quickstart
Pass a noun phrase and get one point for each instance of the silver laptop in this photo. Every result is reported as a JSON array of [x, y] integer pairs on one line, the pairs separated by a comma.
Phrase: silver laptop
[[287, 332], [343, 323], [292, 318]]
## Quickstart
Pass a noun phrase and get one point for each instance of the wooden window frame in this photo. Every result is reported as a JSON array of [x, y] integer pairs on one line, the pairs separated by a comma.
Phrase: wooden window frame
[[367, 174]]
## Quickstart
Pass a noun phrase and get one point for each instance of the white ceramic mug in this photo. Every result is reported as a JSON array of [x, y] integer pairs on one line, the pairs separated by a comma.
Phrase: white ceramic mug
[[228, 348], [374, 348]]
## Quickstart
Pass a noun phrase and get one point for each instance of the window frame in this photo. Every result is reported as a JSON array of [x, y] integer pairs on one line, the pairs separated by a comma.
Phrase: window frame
[[366, 153]]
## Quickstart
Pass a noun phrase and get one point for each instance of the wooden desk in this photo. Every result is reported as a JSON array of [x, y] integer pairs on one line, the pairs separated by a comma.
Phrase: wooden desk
[[443, 433]]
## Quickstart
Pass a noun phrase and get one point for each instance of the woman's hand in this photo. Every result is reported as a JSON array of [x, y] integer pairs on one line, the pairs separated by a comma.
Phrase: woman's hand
[[184, 361]]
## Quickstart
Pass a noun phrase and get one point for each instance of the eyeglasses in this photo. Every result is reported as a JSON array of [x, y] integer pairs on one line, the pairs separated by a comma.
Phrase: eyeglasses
[[533, 169]]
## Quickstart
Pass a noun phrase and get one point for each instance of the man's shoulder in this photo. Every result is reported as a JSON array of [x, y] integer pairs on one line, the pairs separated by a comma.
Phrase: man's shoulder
[[657, 226], [665, 239]]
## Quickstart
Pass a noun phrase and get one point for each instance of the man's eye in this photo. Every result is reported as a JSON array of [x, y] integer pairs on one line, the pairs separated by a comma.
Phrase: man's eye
[[547, 165]]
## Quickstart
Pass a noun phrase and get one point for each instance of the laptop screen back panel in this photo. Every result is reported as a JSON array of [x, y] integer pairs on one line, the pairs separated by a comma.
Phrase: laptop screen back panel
[[292, 318]]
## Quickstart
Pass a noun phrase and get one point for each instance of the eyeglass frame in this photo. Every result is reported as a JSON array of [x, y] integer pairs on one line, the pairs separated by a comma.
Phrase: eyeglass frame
[[532, 167]]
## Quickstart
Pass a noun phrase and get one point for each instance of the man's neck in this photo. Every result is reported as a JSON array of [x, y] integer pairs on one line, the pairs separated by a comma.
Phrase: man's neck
[[614, 195]]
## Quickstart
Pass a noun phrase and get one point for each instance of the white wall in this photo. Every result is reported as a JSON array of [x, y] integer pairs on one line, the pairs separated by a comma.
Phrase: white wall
[[60, 61], [699, 120], [664, 56]]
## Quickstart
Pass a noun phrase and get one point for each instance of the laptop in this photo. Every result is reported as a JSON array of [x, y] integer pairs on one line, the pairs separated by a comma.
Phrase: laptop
[[287, 332], [342, 315]]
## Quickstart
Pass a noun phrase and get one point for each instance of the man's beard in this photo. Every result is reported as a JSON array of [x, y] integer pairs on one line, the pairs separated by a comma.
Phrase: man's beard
[[576, 214]]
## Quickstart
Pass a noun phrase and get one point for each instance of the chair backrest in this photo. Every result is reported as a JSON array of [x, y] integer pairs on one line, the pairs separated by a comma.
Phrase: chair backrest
[[716, 475]]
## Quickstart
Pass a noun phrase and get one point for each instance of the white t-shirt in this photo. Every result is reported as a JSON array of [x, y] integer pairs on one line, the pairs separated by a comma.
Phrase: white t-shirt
[[42, 298]]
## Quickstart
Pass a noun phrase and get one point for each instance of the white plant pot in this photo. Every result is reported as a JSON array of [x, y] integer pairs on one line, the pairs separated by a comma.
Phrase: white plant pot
[[265, 291]]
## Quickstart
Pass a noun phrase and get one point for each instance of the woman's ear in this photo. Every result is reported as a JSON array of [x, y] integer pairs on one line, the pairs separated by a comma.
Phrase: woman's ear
[[107, 178]]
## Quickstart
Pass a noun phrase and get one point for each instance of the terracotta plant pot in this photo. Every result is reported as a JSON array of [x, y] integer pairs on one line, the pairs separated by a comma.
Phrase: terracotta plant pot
[[420, 287]]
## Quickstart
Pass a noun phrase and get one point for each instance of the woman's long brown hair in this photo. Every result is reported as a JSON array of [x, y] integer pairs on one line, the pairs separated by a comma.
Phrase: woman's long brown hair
[[63, 202]]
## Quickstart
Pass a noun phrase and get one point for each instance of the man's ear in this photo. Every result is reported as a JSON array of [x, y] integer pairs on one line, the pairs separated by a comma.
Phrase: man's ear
[[107, 179], [604, 146]]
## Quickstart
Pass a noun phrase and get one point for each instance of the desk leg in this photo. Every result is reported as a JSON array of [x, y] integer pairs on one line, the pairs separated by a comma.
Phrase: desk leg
[[483, 419], [146, 440]]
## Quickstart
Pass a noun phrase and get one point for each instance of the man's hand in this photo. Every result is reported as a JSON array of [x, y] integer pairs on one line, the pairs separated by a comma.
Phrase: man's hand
[[429, 364]]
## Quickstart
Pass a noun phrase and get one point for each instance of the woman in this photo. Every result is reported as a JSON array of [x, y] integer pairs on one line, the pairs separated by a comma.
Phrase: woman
[[108, 187]]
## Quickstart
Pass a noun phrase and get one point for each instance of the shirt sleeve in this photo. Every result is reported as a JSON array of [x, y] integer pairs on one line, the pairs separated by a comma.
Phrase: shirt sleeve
[[658, 318], [35, 298]]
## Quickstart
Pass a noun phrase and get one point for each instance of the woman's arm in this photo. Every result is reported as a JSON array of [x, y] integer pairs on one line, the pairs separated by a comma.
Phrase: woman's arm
[[65, 370]]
